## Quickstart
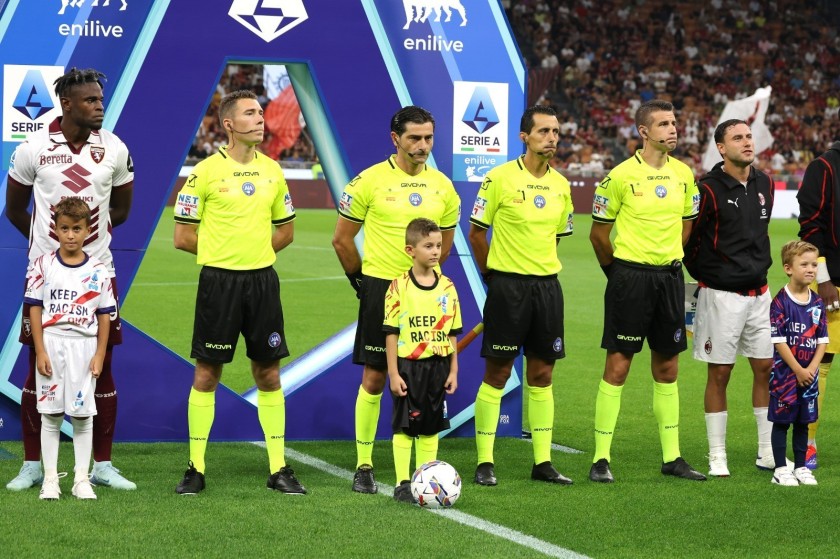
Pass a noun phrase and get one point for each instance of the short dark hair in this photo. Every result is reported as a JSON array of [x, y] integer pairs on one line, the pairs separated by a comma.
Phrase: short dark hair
[[412, 113], [418, 229], [647, 109], [75, 77], [721, 129], [526, 123], [73, 207], [228, 102]]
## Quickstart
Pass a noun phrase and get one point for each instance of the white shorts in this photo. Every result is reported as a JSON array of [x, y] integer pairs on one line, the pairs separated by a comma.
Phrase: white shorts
[[70, 388], [728, 324]]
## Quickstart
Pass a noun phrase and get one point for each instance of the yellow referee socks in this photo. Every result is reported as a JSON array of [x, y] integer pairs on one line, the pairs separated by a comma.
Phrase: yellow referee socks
[[426, 449], [541, 419], [607, 404], [271, 409], [201, 409], [666, 408], [402, 456], [488, 404], [812, 427], [367, 416]]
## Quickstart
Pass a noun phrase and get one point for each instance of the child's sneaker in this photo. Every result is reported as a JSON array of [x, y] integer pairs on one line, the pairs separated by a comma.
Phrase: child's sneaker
[[804, 476], [82, 489], [783, 476], [50, 490], [811, 457]]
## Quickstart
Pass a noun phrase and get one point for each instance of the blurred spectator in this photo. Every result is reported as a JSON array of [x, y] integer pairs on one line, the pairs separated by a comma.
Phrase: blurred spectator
[[612, 56]]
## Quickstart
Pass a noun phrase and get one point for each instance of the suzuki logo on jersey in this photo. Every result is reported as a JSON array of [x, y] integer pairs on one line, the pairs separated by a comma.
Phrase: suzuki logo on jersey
[[76, 178], [418, 11], [33, 98], [268, 19], [480, 114]]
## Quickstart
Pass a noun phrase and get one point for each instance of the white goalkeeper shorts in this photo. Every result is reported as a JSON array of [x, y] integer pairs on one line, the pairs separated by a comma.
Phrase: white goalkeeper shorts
[[70, 388], [729, 324]]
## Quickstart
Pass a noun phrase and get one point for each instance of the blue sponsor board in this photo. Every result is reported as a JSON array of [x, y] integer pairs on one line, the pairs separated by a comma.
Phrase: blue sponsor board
[[163, 66]]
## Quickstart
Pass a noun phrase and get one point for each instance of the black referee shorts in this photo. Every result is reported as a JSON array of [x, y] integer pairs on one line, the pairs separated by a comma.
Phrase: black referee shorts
[[523, 312], [641, 302], [230, 302], [369, 347], [422, 411]]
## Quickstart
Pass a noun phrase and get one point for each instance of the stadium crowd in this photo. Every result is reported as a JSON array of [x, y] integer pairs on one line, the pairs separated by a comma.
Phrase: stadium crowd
[[600, 60], [596, 62]]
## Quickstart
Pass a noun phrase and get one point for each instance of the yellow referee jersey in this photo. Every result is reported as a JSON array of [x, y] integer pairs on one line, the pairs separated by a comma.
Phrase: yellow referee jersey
[[424, 317], [528, 215], [236, 207], [385, 199], [648, 207]]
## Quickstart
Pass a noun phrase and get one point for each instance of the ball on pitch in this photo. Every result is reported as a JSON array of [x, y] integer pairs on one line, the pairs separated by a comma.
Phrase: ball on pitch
[[436, 485]]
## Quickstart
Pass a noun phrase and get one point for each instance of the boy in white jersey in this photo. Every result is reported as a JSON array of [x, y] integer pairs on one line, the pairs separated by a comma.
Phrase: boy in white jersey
[[422, 318], [73, 156], [71, 301]]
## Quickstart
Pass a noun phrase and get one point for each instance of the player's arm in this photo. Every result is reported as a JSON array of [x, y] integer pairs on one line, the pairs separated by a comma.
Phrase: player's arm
[[686, 230], [345, 249], [448, 238], [186, 237], [17, 205], [480, 246], [398, 386], [42, 360], [815, 198], [599, 236], [283, 236], [452, 380], [121, 198], [103, 328]]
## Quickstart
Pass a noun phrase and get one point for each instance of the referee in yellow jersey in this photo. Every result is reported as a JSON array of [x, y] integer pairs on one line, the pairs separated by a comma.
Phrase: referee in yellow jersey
[[384, 198], [651, 199], [529, 207], [234, 212]]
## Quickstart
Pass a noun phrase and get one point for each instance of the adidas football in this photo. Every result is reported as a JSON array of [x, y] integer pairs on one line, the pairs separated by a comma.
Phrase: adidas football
[[435, 485]]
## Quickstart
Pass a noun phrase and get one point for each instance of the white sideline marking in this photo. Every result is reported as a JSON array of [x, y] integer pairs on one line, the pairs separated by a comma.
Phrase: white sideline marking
[[491, 528], [555, 446], [172, 283]]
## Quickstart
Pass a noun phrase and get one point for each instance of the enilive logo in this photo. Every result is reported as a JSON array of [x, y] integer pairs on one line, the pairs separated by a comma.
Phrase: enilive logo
[[418, 11], [91, 27], [268, 18]]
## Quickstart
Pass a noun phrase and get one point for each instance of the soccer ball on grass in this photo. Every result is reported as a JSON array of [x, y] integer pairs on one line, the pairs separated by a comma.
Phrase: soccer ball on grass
[[435, 485]]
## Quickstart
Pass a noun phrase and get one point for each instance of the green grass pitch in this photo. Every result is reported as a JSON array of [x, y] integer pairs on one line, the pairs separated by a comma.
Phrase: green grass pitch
[[643, 515]]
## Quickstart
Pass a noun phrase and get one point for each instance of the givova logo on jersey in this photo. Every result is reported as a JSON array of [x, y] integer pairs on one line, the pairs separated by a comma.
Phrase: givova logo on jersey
[[268, 19], [29, 102]]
